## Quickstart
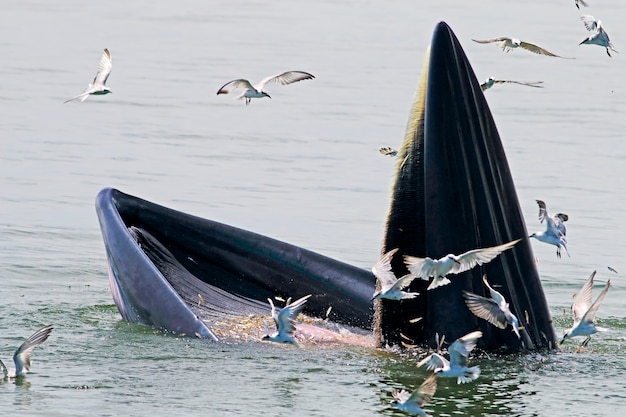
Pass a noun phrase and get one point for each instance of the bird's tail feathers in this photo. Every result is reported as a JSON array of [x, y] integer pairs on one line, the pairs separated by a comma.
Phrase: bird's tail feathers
[[438, 282], [470, 375]]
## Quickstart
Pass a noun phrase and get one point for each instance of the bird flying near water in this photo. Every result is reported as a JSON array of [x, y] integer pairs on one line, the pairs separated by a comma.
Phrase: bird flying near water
[[507, 44], [491, 81], [457, 366], [426, 268], [285, 321], [584, 311], [495, 309], [258, 91], [97, 87], [22, 355], [391, 288], [600, 37], [555, 229], [413, 402]]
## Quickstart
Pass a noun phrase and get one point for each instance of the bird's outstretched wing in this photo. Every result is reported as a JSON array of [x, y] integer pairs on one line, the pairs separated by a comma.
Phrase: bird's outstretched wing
[[433, 361], [486, 309], [423, 268], [526, 83], [4, 369], [583, 2], [461, 348], [543, 212], [583, 298], [23, 353], [285, 78], [382, 269], [285, 319], [590, 22], [474, 257], [104, 69], [233, 85], [425, 392], [539, 50], [500, 39], [590, 315]]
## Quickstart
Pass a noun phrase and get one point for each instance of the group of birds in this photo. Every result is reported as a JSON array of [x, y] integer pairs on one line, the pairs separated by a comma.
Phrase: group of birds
[[98, 86], [494, 309], [598, 37]]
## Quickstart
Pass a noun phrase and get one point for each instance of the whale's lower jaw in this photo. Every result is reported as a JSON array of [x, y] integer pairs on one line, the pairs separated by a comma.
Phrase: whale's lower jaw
[[185, 274]]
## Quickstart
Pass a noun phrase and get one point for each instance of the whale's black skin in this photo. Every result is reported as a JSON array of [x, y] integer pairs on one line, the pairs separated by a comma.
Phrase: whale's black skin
[[454, 192], [234, 270]]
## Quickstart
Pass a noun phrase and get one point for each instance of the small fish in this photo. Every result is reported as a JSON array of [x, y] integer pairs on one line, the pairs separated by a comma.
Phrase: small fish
[[22, 355]]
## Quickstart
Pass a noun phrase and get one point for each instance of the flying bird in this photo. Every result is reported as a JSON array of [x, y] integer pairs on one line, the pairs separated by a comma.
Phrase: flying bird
[[555, 229], [391, 288], [425, 268], [600, 37], [98, 87], [285, 321], [584, 312], [258, 91], [413, 402], [579, 2], [491, 81], [457, 366], [508, 44], [495, 309], [388, 151], [22, 355]]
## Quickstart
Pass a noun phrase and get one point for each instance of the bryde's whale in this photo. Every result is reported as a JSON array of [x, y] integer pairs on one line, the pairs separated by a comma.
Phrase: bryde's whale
[[452, 192]]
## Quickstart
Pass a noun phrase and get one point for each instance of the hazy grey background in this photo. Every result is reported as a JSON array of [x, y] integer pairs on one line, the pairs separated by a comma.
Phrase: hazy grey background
[[303, 167]]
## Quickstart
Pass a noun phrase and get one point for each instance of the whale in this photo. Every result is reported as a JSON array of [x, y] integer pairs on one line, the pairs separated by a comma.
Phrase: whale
[[452, 191]]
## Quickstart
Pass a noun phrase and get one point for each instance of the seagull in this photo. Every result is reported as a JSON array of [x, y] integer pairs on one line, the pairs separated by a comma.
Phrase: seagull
[[511, 43], [457, 366], [258, 91], [412, 402], [584, 312], [388, 151], [425, 268], [390, 286], [578, 2], [285, 321], [489, 82], [97, 87], [21, 358], [600, 37], [555, 229], [495, 309]]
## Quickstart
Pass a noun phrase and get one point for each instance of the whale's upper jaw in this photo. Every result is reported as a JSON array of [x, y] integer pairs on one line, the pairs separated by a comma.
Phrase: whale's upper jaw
[[454, 192]]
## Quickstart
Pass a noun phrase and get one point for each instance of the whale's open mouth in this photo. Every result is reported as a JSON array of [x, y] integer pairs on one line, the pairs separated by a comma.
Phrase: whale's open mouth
[[453, 192]]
